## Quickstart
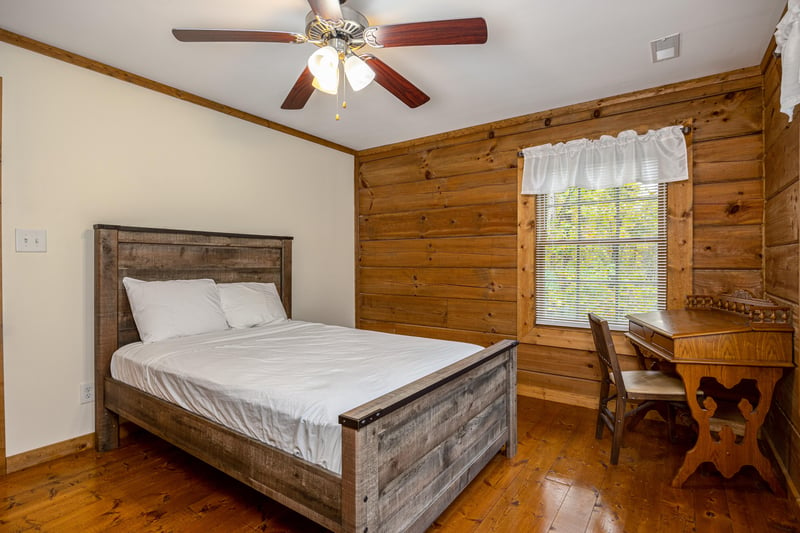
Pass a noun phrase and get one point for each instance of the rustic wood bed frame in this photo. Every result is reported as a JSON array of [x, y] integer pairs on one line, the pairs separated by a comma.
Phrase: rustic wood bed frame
[[405, 455]]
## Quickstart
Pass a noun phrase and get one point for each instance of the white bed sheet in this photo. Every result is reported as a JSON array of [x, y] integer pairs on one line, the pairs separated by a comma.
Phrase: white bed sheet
[[284, 384]]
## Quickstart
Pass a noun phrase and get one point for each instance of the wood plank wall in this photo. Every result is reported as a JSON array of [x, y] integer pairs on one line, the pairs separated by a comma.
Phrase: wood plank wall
[[782, 254], [437, 219]]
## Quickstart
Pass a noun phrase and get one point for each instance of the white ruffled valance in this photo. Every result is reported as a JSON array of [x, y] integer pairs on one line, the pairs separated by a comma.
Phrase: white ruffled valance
[[787, 40], [658, 156]]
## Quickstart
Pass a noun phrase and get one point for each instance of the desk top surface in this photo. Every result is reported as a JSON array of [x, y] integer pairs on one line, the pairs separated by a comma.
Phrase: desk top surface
[[677, 323]]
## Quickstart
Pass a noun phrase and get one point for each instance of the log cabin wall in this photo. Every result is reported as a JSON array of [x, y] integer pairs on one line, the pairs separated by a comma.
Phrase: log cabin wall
[[437, 220], [782, 255]]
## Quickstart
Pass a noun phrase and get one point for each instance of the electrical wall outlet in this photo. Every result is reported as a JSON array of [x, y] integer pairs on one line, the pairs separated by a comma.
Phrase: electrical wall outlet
[[31, 240], [87, 392]]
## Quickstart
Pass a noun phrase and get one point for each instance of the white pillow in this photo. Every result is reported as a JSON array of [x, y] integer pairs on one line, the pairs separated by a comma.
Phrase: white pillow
[[176, 308], [251, 304]]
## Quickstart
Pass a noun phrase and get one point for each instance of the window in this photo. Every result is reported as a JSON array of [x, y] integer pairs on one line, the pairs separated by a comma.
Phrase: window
[[593, 232], [602, 250]]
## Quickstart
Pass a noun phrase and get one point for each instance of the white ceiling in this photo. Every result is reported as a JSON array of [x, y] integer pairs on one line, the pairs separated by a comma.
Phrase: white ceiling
[[540, 54]]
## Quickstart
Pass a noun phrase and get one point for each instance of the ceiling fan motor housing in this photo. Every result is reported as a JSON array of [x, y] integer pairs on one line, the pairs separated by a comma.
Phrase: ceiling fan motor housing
[[350, 29]]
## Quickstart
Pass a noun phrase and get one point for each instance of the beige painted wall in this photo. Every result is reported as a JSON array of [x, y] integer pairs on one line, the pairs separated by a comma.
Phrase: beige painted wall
[[81, 148]]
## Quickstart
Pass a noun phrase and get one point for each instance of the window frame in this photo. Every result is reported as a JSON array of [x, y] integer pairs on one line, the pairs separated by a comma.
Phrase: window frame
[[679, 263]]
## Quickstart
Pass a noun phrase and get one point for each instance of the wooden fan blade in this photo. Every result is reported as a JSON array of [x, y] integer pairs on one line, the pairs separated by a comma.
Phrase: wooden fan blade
[[257, 36], [301, 92], [456, 31], [396, 84], [328, 10]]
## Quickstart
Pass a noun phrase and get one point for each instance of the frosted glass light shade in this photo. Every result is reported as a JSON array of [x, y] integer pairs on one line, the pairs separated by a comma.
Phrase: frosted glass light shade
[[327, 85], [324, 63], [358, 72]]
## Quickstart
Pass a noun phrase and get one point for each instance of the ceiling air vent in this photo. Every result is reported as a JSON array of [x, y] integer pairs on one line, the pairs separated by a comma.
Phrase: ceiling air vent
[[666, 48]]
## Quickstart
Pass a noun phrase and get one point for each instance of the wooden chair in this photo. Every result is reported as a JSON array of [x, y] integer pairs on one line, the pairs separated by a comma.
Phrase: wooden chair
[[645, 387]]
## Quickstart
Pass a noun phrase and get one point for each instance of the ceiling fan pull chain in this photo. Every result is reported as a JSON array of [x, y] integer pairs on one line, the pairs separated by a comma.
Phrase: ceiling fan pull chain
[[337, 102], [344, 94]]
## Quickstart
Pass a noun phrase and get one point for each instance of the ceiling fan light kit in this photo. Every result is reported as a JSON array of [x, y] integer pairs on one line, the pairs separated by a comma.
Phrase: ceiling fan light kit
[[327, 84], [324, 63], [358, 73], [340, 32]]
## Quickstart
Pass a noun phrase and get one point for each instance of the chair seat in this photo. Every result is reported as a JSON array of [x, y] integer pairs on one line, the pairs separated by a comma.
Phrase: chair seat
[[653, 384]]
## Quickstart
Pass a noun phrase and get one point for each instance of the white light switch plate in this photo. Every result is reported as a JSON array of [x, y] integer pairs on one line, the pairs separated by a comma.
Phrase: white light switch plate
[[31, 240]]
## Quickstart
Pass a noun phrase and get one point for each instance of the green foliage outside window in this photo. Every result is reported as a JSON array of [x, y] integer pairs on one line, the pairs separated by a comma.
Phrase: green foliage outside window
[[602, 251]]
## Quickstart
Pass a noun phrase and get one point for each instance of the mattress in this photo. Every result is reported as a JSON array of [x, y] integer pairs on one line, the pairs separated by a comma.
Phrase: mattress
[[283, 384]]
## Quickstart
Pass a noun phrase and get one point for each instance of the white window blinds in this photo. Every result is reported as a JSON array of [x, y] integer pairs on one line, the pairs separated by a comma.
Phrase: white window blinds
[[603, 251]]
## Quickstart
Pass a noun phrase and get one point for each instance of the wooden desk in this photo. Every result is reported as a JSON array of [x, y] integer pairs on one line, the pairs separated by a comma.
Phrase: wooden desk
[[728, 346]]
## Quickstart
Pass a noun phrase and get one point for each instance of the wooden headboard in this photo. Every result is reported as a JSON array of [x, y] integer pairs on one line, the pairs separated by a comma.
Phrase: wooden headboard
[[161, 254]]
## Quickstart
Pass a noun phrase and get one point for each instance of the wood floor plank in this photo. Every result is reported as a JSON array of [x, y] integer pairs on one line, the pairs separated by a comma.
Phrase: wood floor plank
[[581, 453], [632, 490], [751, 508], [466, 514], [576, 511], [676, 511], [33, 494], [534, 499], [711, 512], [532, 508], [559, 481]]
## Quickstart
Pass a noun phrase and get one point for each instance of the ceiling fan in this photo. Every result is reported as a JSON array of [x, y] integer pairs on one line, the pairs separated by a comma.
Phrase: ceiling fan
[[340, 32]]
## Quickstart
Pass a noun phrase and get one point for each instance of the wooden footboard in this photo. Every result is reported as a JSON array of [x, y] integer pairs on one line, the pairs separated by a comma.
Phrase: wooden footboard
[[408, 454], [405, 455]]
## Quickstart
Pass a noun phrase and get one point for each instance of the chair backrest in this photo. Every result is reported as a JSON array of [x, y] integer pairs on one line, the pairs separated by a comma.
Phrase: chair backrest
[[606, 353]]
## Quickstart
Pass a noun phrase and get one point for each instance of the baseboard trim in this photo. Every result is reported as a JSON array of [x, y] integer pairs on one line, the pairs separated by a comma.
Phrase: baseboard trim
[[47, 453], [551, 395], [791, 488], [61, 449]]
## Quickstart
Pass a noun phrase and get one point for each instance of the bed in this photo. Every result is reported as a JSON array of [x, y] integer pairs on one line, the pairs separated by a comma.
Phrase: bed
[[405, 455]]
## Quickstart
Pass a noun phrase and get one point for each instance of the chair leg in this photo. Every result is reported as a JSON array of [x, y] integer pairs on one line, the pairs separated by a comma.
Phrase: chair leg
[[668, 413], [641, 412], [598, 434], [671, 423], [604, 388], [619, 428]]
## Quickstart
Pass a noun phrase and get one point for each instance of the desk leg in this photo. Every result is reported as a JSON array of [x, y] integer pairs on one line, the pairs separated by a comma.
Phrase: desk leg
[[728, 456]]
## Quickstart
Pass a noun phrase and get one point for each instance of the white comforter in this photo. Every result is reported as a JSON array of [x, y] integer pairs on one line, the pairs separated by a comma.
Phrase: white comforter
[[283, 384]]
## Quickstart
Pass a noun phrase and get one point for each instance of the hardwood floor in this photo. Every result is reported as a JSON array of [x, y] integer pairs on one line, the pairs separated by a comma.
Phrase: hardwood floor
[[560, 481]]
